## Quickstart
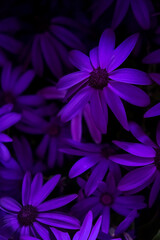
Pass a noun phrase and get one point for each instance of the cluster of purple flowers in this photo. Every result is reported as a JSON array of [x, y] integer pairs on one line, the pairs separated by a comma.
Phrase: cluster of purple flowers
[[68, 71]]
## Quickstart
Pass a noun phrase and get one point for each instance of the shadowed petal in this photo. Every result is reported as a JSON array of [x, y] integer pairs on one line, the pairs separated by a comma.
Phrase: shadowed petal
[[154, 190], [153, 111], [141, 13], [9, 120], [155, 77], [140, 135], [123, 226], [37, 60], [51, 56], [158, 134], [76, 127], [95, 133], [23, 82], [119, 12], [153, 57], [106, 220]]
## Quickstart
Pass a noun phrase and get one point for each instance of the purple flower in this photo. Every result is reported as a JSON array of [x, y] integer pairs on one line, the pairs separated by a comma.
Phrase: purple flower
[[86, 232], [144, 155], [53, 132], [7, 119], [99, 84], [34, 216], [12, 171], [14, 81], [107, 197], [49, 42], [96, 158], [140, 8]]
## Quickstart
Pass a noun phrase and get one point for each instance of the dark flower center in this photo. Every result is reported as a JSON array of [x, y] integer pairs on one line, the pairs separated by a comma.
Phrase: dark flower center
[[9, 98], [157, 159], [53, 130], [27, 215], [98, 78], [106, 199], [107, 151]]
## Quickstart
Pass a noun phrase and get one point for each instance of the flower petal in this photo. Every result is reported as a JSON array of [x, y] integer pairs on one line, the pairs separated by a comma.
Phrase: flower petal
[[116, 107], [141, 13], [136, 149], [82, 165], [72, 79], [46, 190], [56, 203], [136, 178], [131, 160], [119, 12], [76, 104], [129, 75], [122, 51], [10, 205], [130, 93], [80, 61], [76, 127], [94, 58], [140, 135], [106, 47], [153, 57], [153, 111], [26, 188]]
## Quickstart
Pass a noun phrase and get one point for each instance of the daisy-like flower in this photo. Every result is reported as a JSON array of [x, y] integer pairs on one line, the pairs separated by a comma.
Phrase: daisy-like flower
[[34, 216], [140, 8], [53, 132], [14, 81], [145, 155], [12, 171], [48, 39], [7, 119], [86, 232], [100, 85], [96, 158], [107, 197]]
